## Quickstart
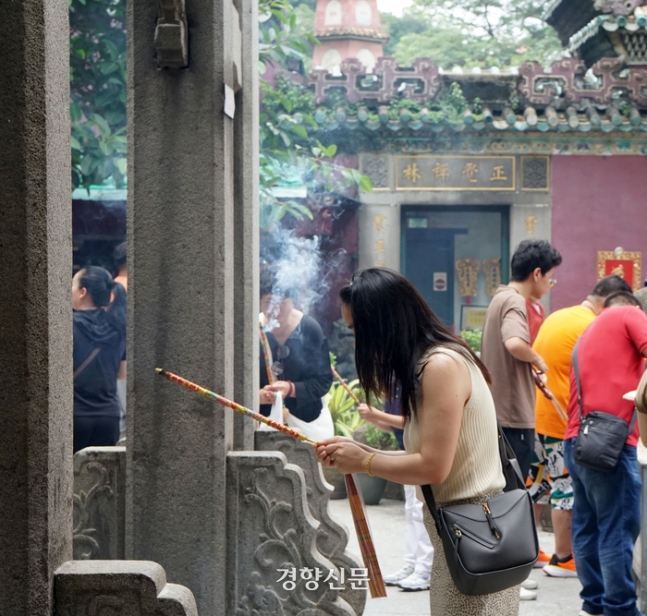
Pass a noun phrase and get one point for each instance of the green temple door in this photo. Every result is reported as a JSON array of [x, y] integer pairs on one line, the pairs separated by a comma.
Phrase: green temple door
[[429, 265], [434, 238]]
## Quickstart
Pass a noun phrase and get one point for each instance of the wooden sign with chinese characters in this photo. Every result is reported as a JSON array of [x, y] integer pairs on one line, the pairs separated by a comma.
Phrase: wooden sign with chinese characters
[[379, 248], [620, 263], [455, 173]]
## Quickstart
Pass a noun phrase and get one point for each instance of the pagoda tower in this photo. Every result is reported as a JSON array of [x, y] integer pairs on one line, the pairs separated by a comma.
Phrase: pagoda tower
[[348, 29]]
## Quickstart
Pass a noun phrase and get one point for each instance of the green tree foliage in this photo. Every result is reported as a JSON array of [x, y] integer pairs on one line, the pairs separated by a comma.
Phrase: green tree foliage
[[399, 27], [291, 153], [474, 33], [98, 91]]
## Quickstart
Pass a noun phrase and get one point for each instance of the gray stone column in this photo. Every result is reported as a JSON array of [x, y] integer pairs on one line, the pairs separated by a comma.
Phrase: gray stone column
[[35, 304], [181, 251], [246, 227]]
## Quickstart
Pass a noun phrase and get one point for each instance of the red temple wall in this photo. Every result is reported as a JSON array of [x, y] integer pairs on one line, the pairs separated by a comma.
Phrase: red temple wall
[[598, 203]]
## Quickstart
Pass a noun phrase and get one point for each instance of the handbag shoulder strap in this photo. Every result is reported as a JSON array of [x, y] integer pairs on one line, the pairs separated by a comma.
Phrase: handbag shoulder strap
[[85, 364], [509, 464], [576, 370]]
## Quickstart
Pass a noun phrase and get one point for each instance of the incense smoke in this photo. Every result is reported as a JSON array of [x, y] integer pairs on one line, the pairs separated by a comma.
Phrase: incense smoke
[[299, 269]]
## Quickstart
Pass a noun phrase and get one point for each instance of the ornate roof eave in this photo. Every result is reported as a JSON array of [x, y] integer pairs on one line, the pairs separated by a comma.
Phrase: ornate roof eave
[[353, 32], [600, 36], [531, 122], [569, 16]]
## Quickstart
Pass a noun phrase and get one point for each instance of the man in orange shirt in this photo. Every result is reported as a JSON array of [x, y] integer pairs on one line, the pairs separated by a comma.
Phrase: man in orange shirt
[[552, 483]]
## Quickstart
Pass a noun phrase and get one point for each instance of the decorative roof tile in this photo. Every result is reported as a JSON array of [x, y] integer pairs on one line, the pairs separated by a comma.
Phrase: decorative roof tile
[[357, 31]]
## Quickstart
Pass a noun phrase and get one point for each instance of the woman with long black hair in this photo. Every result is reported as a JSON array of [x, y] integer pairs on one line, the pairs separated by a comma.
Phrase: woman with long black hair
[[99, 345], [450, 431]]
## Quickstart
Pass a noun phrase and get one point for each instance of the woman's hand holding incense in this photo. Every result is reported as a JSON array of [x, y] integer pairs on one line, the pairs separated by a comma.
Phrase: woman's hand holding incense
[[266, 396], [281, 386], [344, 454], [368, 413]]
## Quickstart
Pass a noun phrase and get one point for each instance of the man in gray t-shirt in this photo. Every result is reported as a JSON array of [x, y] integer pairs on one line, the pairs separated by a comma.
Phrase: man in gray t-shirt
[[506, 349]]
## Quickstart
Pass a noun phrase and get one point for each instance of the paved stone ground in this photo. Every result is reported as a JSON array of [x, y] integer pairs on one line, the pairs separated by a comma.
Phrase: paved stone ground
[[559, 597]]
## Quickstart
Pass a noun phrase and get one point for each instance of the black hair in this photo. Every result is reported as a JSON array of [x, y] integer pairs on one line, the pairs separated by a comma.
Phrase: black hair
[[622, 298], [530, 255], [608, 285], [270, 284], [394, 326], [99, 284], [119, 256], [105, 293]]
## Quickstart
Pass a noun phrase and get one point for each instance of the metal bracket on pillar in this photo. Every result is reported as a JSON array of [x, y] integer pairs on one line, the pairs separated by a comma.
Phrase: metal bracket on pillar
[[171, 41]]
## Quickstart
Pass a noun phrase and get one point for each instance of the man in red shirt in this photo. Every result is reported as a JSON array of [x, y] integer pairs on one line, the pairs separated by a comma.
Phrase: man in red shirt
[[606, 509]]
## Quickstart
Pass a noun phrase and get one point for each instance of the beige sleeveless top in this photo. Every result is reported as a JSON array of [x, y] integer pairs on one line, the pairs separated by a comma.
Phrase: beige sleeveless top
[[477, 466]]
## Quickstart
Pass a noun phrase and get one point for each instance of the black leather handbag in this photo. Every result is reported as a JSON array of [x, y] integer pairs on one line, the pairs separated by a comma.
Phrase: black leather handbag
[[493, 545], [602, 436]]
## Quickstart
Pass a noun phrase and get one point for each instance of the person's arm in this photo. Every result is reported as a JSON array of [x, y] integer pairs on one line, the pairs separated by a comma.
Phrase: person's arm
[[384, 421], [121, 375], [446, 387], [521, 350], [515, 334]]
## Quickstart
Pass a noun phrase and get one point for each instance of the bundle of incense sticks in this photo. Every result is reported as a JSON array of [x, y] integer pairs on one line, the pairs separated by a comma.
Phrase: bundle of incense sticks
[[375, 581], [345, 385], [369, 557], [266, 355]]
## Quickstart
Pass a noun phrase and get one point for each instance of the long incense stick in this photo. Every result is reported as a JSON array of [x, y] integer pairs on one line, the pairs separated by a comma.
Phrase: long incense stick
[[266, 355], [366, 547], [233, 405], [345, 385], [369, 557], [548, 394]]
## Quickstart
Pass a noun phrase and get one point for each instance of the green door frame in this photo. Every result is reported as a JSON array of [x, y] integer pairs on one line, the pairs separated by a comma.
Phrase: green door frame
[[504, 210]]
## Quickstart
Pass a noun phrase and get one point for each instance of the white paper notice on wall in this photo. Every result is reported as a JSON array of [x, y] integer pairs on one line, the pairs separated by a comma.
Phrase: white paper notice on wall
[[230, 102], [440, 281]]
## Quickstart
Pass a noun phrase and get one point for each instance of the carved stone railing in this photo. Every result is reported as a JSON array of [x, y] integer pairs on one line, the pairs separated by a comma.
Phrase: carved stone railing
[[99, 503], [332, 536], [270, 528], [124, 587]]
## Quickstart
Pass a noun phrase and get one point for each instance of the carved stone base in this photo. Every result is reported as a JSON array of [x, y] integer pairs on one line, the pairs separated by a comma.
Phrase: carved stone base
[[332, 536], [124, 587], [99, 503], [269, 528]]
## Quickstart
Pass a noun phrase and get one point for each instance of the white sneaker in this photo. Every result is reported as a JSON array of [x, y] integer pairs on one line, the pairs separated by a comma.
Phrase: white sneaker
[[530, 584], [416, 581], [398, 576], [583, 613], [527, 595]]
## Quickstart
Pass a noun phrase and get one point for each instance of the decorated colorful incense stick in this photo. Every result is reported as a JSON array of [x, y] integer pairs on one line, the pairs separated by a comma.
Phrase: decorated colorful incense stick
[[375, 580], [345, 385], [548, 394], [266, 355], [233, 405], [376, 583]]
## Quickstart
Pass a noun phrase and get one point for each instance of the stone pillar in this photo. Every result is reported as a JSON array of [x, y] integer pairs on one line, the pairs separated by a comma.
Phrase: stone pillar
[[181, 311], [246, 227], [35, 304]]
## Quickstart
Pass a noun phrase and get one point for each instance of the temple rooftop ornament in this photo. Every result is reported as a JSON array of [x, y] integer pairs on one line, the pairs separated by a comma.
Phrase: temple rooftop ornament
[[596, 29], [562, 99]]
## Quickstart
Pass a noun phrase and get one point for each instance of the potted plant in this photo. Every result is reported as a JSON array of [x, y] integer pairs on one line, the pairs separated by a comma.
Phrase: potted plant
[[346, 420], [373, 487]]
